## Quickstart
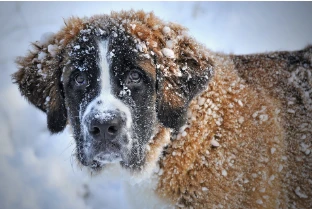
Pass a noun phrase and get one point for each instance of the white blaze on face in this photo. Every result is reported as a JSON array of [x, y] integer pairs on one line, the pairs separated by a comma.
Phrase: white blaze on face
[[106, 102]]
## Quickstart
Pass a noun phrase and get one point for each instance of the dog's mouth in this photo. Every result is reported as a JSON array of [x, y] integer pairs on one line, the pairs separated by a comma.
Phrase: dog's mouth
[[102, 159], [96, 156]]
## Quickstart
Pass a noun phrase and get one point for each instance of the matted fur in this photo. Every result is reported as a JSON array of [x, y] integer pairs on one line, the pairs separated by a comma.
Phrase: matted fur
[[246, 140]]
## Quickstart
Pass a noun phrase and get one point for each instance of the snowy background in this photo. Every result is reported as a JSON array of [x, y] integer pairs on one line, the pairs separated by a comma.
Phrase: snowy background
[[37, 170]]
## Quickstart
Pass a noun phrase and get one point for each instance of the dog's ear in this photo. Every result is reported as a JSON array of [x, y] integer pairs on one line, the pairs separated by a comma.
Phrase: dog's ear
[[39, 80], [180, 81], [40, 72]]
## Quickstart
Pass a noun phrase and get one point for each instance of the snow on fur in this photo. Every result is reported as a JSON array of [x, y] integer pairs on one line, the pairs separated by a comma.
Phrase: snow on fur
[[254, 160]]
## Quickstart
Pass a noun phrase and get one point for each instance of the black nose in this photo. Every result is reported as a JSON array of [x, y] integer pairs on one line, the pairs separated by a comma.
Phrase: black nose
[[106, 127]]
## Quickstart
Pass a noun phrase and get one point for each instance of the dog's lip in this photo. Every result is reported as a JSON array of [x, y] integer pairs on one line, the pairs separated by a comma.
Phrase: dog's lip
[[97, 159], [108, 157], [104, 158]]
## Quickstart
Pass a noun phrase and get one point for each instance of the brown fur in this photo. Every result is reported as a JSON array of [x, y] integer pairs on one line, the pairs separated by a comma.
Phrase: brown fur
[[257, 107], [200, 176], [274, 73], [148, 67], [45, 82], [261, 162]]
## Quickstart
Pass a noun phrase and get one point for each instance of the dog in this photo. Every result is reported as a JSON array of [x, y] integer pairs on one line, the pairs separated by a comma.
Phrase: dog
[[212, 130]]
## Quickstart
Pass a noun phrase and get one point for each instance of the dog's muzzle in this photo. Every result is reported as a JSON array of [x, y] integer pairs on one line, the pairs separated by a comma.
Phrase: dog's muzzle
[[105, 137]]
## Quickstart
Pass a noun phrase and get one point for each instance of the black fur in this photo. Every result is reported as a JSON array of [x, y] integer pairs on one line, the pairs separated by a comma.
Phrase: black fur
[[188, 86]]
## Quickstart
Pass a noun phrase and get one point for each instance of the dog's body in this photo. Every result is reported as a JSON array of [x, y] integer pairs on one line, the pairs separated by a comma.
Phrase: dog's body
[[261, 117], [210, 130]]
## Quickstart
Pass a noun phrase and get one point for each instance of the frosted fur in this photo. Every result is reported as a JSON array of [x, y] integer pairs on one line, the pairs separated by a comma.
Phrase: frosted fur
[[108, 101], [105, 103], [245, 140], [216, 146]]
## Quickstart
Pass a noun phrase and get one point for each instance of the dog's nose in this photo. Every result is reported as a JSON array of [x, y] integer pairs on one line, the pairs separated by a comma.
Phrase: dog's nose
[[106, 128]]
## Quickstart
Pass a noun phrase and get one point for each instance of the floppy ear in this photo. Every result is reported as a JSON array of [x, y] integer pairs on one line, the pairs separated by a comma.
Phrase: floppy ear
[[40, 72], [180, 82], [39, 80]]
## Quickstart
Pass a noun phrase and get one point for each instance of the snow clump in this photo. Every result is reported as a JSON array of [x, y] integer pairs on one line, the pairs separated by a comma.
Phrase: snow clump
[[168, 53], [214, 143], [169, 44], [45, 38], [41, 56], [77, 47], [52, 49], [166, 30], [300, 194]]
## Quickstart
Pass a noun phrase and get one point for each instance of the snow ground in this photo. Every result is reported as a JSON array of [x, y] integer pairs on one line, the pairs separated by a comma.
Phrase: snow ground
[[37, 170]]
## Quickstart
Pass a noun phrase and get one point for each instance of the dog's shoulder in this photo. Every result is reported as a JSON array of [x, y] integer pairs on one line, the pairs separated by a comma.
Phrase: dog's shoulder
[[228, 123], [240, 138]]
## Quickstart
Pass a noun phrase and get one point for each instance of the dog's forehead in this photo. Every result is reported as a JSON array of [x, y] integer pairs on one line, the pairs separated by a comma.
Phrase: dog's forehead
[[136, 36], [87, 50]]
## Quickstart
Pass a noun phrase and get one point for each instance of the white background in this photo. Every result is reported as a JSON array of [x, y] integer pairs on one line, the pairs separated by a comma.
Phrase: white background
[[37, 170]]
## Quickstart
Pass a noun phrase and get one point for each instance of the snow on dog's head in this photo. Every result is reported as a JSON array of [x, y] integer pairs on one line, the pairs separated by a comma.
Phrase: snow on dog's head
[[122, 81]]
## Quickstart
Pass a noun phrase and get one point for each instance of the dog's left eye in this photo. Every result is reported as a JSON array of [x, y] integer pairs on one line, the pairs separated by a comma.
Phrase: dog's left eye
[[80, 79], [134, 77]]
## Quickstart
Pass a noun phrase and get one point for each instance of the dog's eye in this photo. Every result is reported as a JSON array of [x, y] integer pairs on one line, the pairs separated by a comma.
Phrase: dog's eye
[[134, 77], [80, 79]]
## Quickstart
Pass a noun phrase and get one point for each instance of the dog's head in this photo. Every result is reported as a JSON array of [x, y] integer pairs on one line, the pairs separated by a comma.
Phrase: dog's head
[[117, 80]]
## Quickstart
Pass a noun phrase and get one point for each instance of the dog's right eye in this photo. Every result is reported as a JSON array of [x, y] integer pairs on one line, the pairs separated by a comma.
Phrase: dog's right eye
[[80, 79], [135, 76]]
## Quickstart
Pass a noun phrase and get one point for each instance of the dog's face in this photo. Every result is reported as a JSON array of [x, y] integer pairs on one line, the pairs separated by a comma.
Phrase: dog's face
[[110, 94], [114, 88]]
